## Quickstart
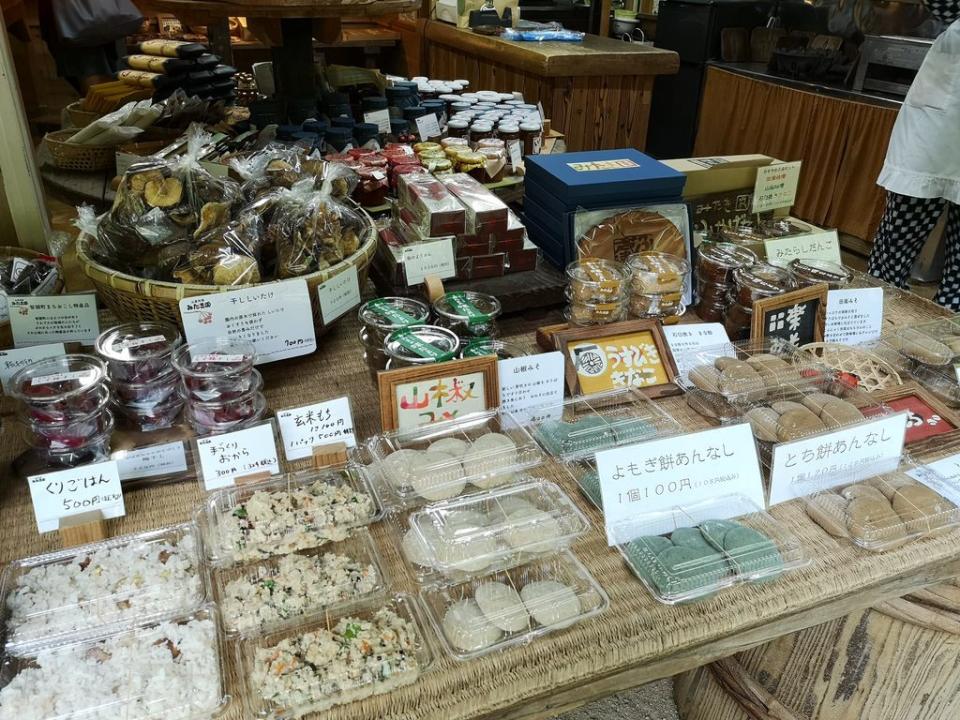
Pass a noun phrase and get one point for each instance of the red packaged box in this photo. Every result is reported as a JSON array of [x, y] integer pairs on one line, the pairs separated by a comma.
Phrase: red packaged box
[[435, 210], [486, 213]]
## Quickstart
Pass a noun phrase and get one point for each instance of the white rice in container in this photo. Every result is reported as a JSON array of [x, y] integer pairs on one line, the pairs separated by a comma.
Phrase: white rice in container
[[296, 585], [169, 672], [106, 586], [284, 521]]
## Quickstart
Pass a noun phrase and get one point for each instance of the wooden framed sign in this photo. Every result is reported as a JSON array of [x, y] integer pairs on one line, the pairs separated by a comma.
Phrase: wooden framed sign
[[625, 354], [412, 397], [928, 417], [797, 317]]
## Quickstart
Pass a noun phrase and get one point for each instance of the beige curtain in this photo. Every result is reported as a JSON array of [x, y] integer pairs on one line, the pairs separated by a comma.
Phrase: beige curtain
[[842, 144]]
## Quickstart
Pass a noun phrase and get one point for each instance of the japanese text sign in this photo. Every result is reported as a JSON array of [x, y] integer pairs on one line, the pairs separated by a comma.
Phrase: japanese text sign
[[813, 246], [776, 186], [275, 317], [224, 458], [87, 488], [151, 461], [532, 381], [12, 361], [668, 473], [44, 319], [429, 258], [339, 294], [844, 456], [686, 340], [304, 428], [854, 316]]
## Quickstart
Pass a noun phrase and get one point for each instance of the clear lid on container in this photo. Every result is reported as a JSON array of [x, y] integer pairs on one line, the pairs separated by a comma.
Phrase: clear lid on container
[[369, 648], [136, 341], [214, 358], [278, 592], [58, 379], [420, 344], [747, 369], [763, 279], [101, 587], [512, 607], [888, 508], [170, 669], [437, 462], [467, 306], [583, 425], [498, 528], [490, 346], [684, 553], [727, 255], [293, 512], [810, 271]]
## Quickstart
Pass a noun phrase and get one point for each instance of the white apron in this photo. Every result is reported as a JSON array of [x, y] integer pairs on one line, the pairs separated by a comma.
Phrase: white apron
[[923, 158]]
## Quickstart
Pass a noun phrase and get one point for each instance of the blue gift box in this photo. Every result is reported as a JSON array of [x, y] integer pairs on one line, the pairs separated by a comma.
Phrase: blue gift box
[[583, 179]]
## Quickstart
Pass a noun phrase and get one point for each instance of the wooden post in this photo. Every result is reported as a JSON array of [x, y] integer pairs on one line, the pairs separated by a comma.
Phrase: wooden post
[[21, 179], [83, 528]]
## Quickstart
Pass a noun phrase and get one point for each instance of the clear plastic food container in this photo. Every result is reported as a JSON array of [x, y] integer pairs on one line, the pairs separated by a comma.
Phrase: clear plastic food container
[[216, 369], [512, 607], [138, 352], [170, 669], [95, 589], [888, 509], [581, 426], [494, 530], [293, 512], [60, 388], [686, 553], [278, 592], [366, 649], [227, 418], [437, 462], [746, 370]]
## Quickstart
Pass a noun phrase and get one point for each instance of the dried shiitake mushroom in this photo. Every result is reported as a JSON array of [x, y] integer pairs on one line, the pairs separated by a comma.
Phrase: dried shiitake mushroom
[[163, 193]]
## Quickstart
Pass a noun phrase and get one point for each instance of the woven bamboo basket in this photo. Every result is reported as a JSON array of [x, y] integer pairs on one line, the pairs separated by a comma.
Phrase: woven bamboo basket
[[71, 156], [133, 298], [6, 334], [78, 116]]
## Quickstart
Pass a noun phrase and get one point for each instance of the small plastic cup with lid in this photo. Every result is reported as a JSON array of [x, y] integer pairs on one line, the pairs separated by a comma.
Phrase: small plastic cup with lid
[[138, 352], [469, 314], [381, 316], [60, 388], [216, 369], [812, 271], [420, 345]]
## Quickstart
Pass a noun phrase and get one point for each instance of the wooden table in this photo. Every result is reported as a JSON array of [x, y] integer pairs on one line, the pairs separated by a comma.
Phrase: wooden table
[[635, 641], [596, 92]]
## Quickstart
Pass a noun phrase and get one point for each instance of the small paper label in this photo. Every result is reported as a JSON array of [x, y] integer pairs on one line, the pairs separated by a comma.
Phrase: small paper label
[[841, 457], [429, 258], [304, 428], [854, 316], [776, 186], [686, 340], [529, 383], [381, 118], [275, 317], [62, 377], [428, 126], [224, 458], [941, 476], [151, 461], [660, 475], [83, 489], [814, 246], [140, 342], [44, 319], [217, 358], [12, 361], [339, 294]]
